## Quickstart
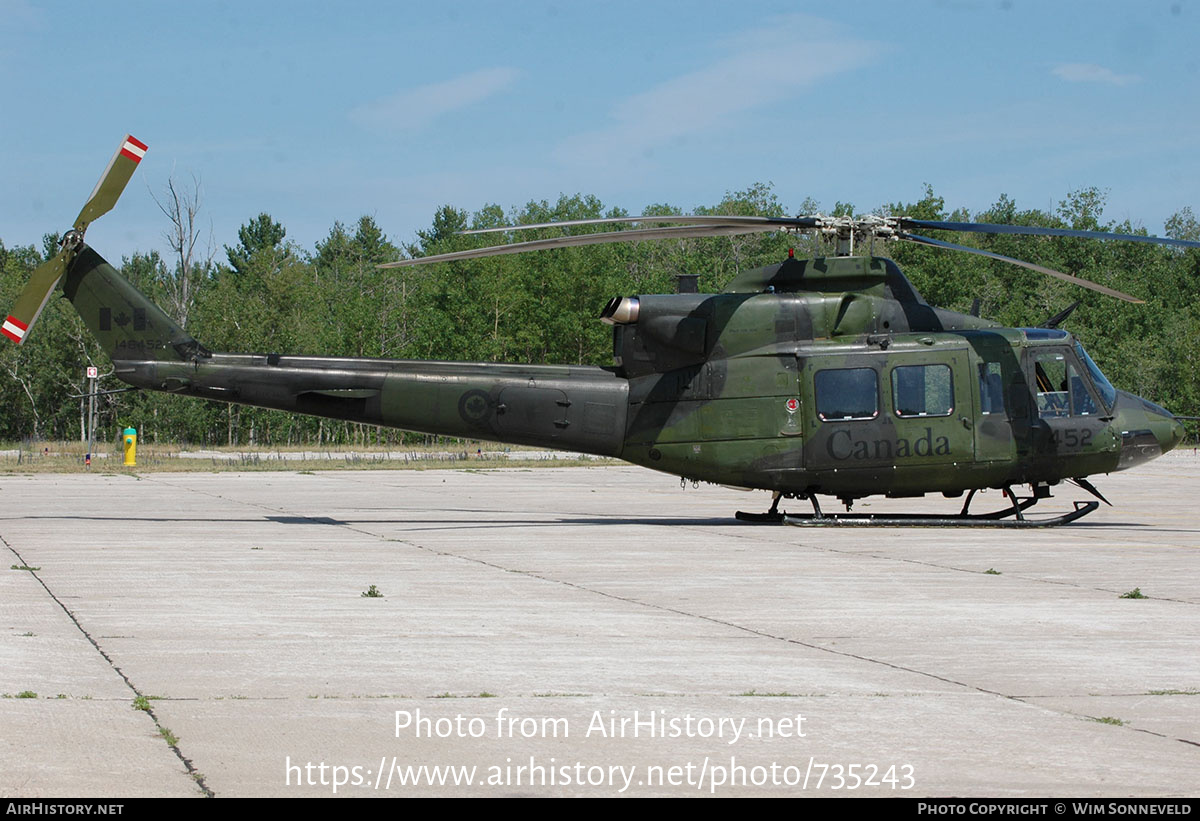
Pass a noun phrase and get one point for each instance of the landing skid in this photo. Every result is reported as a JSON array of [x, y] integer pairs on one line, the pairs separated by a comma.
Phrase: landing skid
[[998, 518]]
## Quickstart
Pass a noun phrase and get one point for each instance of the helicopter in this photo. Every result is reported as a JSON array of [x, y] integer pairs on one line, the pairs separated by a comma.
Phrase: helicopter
[[828, 376]]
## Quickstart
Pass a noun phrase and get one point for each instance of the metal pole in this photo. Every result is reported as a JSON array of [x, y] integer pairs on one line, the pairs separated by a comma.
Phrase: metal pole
[[91, 415]]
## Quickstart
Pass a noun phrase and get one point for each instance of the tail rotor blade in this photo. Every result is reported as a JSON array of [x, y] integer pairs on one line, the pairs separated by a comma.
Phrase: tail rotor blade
[[35, 296], [104, 196], [112, 182]]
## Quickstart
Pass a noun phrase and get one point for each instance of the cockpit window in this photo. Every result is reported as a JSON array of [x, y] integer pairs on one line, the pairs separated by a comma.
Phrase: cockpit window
[[1053, 392], [1107, 392], [1082, 403], [1061, 386], [1042, 334]]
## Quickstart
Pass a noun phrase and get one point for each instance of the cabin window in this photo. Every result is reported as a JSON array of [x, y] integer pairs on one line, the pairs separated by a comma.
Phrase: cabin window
[[991, 387], [922, 390], [847, 393]]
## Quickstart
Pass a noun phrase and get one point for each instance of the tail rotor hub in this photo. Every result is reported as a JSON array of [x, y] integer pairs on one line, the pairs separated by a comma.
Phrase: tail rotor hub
[[72, 240]]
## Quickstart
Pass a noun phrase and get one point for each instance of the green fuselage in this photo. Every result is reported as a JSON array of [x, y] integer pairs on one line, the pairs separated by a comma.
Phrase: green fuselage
[[823, 376]]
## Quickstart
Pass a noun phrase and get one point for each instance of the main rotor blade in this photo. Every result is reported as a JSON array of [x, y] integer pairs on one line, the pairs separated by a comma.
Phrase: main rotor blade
[[672, 232], [776, 223], [35, 296], [112, 181], [1037, 231], [1040, 269]]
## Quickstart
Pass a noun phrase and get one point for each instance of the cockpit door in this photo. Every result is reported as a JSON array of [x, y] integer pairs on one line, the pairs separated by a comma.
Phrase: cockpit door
[[1068, 416]]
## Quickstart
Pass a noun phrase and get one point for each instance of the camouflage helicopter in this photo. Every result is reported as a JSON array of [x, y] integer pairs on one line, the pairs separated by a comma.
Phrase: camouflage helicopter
[[810, 377]]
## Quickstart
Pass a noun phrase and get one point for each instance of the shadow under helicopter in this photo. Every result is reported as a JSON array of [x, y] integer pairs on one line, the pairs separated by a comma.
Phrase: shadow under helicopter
[[479, 521]]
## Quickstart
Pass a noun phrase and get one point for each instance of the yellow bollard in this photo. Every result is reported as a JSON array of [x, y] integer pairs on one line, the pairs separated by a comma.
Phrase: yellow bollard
[[130, 447]]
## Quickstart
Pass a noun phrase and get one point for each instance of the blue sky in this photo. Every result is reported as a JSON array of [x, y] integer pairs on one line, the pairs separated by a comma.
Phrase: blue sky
[[322, 112]]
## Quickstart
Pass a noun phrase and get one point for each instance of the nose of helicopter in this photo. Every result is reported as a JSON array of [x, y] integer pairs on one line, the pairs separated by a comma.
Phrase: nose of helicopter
[[1177, 433], [1147, 431]]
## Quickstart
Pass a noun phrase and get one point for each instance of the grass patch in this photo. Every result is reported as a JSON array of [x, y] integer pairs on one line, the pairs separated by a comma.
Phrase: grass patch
[[371, 592], [385, 695], [168, 736], [23, 567], [1135, 593], [141, 703], [483, 694], [991, 571], [27, 694], [1116, 722], [560, 695]]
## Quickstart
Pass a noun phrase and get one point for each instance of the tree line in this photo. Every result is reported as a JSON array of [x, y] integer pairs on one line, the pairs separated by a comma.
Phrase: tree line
[[265, 294]]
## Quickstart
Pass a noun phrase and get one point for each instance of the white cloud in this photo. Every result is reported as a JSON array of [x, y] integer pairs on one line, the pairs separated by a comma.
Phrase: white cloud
[[764, 67], [416, 108], [1091, 73]]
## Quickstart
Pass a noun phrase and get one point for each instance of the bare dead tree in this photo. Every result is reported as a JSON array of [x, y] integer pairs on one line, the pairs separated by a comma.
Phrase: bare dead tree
[[181, 207], [23, 378]]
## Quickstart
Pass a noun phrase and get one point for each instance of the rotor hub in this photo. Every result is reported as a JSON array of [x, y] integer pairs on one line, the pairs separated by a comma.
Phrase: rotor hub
[[71, 240]]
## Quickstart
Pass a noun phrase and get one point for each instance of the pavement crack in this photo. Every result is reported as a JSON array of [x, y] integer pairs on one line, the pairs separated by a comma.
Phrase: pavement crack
[[162, 731], [630, 600], [751, 630], [954, 569], [749, 535]]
